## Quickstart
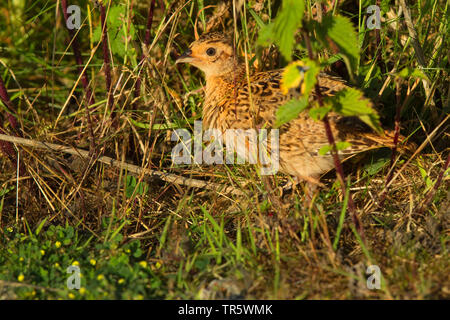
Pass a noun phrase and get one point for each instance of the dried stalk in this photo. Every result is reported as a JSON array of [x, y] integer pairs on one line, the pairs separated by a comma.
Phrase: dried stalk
[[168, 177]]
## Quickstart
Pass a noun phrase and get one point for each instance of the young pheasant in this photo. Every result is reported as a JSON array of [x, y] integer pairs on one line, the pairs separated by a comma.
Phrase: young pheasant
[[233, 102]]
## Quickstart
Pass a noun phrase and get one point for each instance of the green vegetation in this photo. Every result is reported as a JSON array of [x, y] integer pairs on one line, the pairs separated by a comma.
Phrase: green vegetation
[[136, 236]]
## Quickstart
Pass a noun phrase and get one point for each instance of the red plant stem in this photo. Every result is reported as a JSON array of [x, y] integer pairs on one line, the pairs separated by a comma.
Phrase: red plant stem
[[78, 58], [106, 58], [6, 147], [7, 102], [430, 194], [137, 91], [340, 174], [84, 77], [334, 152]]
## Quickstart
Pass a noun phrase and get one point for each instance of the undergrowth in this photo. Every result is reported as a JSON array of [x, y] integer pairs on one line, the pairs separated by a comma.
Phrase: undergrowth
[[137, 236]]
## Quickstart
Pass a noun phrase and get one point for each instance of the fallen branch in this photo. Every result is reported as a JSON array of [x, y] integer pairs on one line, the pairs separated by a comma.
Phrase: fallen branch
[[168, 177]]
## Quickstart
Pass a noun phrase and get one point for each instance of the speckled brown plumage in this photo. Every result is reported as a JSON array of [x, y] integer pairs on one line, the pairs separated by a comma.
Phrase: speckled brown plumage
[[229, 104]]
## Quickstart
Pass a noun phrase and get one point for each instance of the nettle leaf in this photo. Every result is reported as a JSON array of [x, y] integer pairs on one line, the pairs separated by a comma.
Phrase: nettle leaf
[[338, 34], [318, 113], [340, 145], [300, 73], [290, 110], [351, 102], [282, 30], [409, 72]]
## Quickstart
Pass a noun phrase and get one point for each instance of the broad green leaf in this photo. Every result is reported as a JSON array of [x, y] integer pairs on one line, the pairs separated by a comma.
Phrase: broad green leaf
[[300, 73], [337, 33], [340, 145], [290, 110], [318, 113], [282, 30], [117, 31], [351, 102]]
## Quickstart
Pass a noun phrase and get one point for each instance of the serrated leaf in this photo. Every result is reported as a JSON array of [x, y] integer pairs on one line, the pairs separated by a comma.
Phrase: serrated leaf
[[337, 32], [319, 112], [300, 73], [351, 102], [290, 110], [340, 145], [282, 30]]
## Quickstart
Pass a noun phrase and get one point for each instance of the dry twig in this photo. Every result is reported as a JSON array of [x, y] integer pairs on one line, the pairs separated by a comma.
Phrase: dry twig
[[168, 177]]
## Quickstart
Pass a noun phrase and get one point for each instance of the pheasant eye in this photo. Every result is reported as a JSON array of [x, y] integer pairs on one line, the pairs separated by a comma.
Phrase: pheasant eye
[[211, 51]]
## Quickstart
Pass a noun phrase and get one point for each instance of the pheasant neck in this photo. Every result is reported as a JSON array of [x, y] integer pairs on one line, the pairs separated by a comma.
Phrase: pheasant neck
[[219, 88]]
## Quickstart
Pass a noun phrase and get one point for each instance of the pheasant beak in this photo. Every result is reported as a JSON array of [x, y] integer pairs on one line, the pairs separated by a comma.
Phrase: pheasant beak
[[185, 57]]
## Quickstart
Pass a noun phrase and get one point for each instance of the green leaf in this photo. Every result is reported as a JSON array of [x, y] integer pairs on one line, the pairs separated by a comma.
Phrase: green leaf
[[255, 16], [338, 34], [300, 73], [117, 31], [319, 112], [290, 110], [130, 185], [351, 102], [282, 30], [340, 145], [409, 72], [41, 225]]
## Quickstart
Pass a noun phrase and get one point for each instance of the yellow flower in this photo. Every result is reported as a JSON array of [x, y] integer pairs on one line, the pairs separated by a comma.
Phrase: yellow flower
[[121, 280], [82, 290], [143, 264], [93, 262], [139, 297], [43, 252], [75, 263], [158, 265], [56, 265], [57, 244], [71, 296], [20, 277], [21, 259], [100, 277]]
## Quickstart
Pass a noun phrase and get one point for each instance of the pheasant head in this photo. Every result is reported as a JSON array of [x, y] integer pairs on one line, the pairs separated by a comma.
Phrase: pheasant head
[[213, 54]]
